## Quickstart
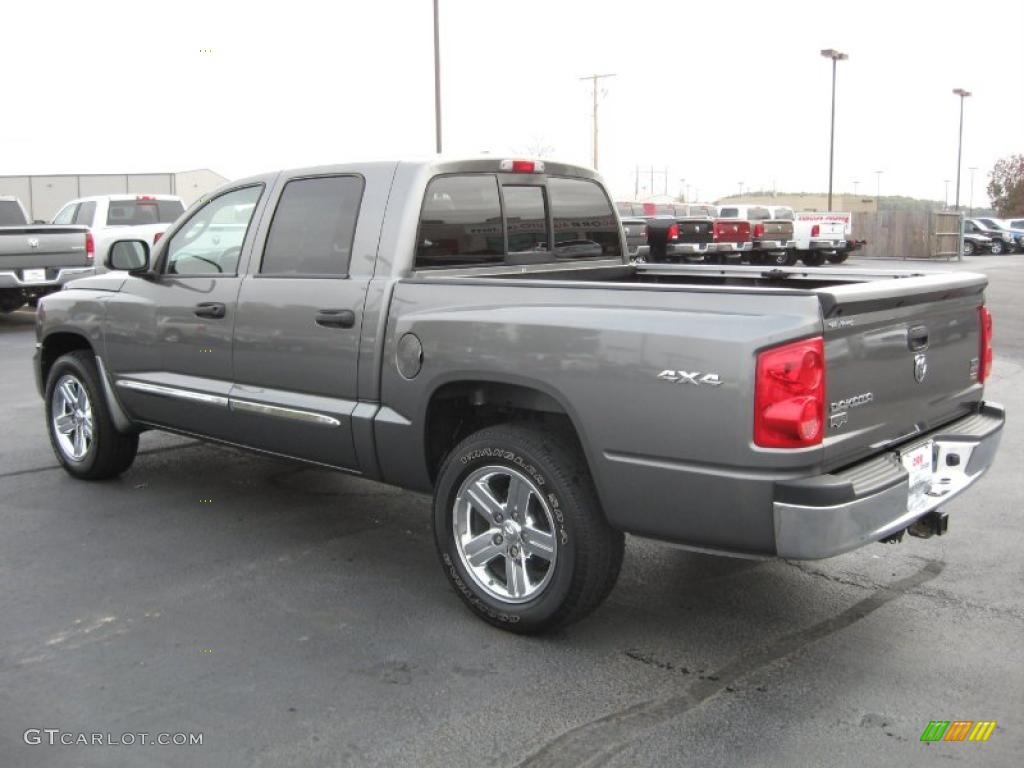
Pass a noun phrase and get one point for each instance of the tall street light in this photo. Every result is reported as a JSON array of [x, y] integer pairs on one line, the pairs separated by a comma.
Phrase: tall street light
[[437, 79], [960, 142], [945, 199], [836, 56], [878, 187]]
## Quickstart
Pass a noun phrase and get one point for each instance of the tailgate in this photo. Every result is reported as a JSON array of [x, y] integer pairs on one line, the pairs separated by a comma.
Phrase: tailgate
[[831, 230], [31, 247], [778, 230], [694, 231], [732, 231], [901, 359], [635, 231]]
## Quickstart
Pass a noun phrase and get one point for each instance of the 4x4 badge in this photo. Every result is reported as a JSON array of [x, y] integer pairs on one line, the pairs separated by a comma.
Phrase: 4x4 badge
[[920, 367]]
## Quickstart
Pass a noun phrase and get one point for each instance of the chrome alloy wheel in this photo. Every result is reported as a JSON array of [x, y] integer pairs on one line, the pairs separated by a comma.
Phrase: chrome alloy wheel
[[72, 418], [505, 533]]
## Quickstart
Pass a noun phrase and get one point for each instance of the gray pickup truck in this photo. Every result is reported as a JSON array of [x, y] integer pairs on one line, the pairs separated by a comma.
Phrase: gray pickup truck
[[37, 259], [473, 329]]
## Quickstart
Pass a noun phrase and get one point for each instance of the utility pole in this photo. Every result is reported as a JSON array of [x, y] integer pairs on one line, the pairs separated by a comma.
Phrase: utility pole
[[972, 170], [855, 185], [878, 187], [437, 79], [960, 141], [945, 199], [593, 80], [636, 184], [836, 56]]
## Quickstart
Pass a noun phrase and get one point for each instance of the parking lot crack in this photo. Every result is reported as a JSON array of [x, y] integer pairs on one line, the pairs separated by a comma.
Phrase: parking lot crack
[[598, 741]]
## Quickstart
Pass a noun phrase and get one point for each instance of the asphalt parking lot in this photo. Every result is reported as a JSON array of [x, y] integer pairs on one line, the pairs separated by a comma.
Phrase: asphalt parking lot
[[297, 617]]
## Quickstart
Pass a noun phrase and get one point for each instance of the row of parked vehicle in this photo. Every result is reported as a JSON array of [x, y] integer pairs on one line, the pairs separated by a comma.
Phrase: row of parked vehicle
[[758, 234], [37, 258], [995, 236]]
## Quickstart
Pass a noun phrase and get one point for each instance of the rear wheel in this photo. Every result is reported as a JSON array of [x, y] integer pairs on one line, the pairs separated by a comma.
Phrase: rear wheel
[[813, 259], [81, 431], [782, 258], [838, 258], [519, 530]]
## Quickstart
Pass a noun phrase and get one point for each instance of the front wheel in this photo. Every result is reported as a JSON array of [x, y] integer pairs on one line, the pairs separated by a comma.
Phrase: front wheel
[[520, 531], [968, 248], [83, 435], [997, 247]]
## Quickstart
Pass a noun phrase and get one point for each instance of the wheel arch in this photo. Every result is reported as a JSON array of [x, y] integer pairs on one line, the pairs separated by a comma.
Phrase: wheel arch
[[459, 406]]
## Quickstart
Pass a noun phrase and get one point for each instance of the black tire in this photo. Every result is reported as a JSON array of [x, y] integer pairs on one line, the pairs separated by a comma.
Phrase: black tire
[[588, 550], [782, 258], [11, 300], [110, 452], [968, 248], [996, 247], [813, 259], [838, 258]]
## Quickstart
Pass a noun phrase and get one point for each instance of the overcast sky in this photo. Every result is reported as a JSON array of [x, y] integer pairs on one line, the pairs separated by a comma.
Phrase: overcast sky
[[720, 93]]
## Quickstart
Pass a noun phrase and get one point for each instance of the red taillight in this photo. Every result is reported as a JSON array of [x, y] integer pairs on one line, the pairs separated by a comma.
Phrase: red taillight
[[156, 237], [522, 166], [673, 232], [759, 230], [816, 230], [985, 363], [789, 395], [145, 197], [90, 246]]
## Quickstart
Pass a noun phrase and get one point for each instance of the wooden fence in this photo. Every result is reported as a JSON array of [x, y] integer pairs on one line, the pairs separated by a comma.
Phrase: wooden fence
[[908, 234]]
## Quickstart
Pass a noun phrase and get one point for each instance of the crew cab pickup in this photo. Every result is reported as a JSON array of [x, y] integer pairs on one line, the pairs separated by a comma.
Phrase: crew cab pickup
[[474, 329], [822, 236], [114, 217], [36, 259]]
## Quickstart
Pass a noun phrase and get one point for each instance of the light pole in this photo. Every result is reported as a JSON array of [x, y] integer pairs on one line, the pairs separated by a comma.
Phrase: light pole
[[960, 141], [593, 79], [836, 56], [972, 169], [437, 79], [945, 198], [878, 187], [855, 185]]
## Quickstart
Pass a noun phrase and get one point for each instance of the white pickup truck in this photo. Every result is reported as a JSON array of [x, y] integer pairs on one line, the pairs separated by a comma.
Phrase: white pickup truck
[[116, 217], [821, 235]]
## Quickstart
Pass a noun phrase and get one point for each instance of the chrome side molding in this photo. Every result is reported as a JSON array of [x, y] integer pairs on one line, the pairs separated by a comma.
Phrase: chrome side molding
[[296, 414], [173, 392], [246, 406]]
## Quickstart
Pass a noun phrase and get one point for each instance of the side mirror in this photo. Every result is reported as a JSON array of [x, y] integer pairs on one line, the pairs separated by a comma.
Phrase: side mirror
[[129, 255]]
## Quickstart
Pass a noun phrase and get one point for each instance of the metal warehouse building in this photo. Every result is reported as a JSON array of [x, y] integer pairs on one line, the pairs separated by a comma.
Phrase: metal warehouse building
[[43, 196]]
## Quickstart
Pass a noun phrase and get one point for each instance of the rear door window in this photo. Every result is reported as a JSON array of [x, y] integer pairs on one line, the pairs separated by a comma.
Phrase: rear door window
[[313, 228], [128, 213], [729, 213], [584, 223], [460, 223], [758, 214]]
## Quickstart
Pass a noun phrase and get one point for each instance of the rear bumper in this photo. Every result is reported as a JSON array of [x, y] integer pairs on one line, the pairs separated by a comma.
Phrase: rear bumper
[[774, 245], [830, 514], [55, 277], [826, 245], [688, 249], [730, 247]]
